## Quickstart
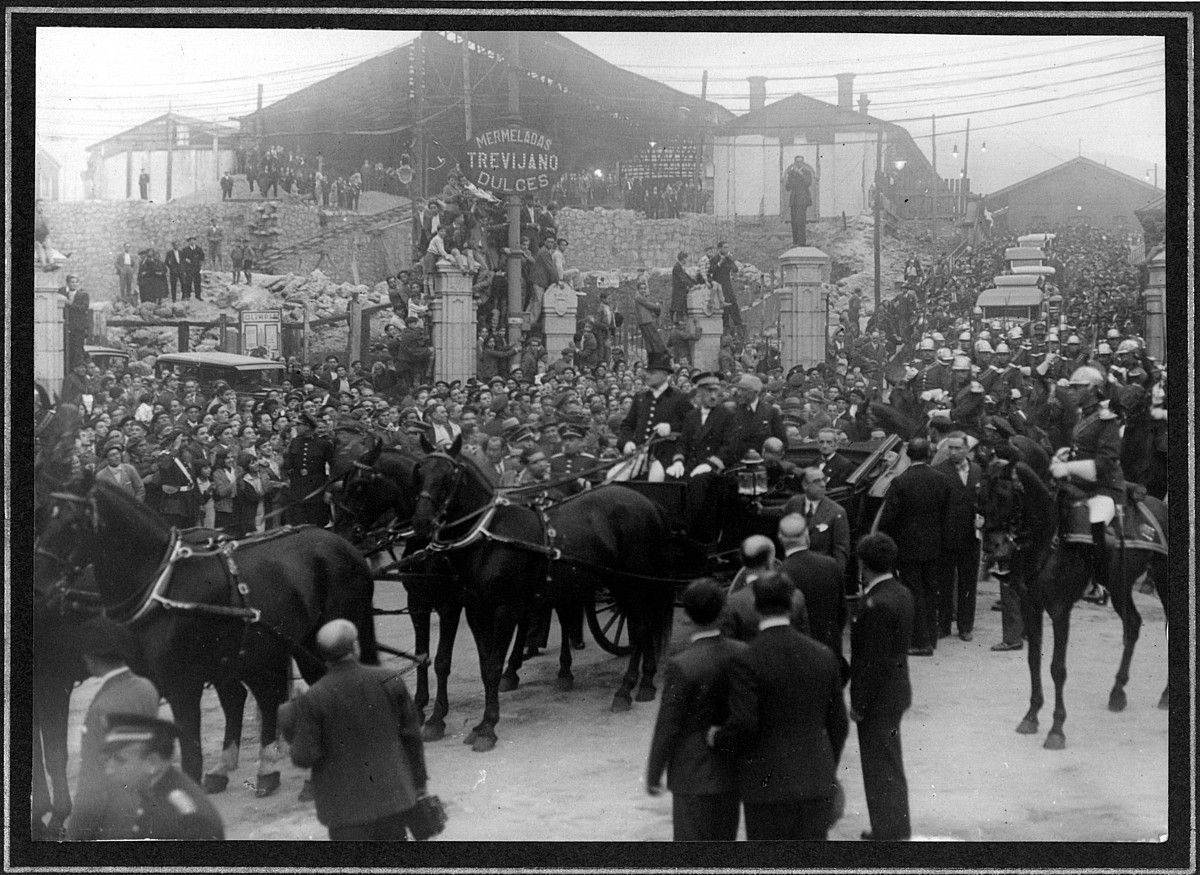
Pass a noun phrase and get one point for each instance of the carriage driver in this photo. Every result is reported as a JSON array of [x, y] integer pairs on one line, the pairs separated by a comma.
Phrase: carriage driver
[[1093, 462]]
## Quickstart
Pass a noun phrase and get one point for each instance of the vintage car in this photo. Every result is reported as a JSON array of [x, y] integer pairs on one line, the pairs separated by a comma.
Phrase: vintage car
[[105, 357], [246, 375]]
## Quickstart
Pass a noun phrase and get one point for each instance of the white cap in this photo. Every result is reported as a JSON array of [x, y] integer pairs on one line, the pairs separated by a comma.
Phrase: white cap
[[945, 355], [1074, 338], [1002, 348], [983, 346], [1103, 349], [926, 344]]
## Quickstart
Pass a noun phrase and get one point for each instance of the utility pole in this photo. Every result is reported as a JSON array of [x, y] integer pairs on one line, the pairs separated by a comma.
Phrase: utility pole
[[700, 134], [933, 139], [170, 152], [416, 186], [261, 125], [878, 204], [513, 201], [466, 65]]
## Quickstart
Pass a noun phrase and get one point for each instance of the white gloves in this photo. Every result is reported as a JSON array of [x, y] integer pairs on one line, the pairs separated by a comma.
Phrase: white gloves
[[630, 446], [675, 470], [663, 429], [702, 468], [1058, 469], [1025, 371], [1063, 454]]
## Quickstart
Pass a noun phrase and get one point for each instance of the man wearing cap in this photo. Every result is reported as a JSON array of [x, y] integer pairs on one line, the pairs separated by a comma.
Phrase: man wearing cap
[[175, 478], [102, 810], [139, 750], [938, 375], [120, 473], [305, 468], [754, 419], [358, 730], [707, 441], [658, 412], [571, 459]]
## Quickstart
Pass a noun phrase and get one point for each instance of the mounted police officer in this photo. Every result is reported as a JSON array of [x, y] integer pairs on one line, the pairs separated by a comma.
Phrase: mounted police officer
[[305, 465], [1092, 464]]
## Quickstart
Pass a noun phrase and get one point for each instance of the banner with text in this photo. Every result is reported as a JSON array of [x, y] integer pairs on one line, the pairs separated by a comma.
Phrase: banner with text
[[512, 160]]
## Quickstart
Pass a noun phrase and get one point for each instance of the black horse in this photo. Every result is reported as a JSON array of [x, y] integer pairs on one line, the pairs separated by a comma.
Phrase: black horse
[[502, 552], [1025, 538], [225, 613]]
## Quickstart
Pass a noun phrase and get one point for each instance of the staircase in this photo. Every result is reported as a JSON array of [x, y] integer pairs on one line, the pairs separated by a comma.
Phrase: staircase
[[279, 259]]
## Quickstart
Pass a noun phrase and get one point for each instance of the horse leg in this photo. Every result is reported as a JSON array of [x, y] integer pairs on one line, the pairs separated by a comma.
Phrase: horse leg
[[184, 698], [1159, 574], [232, 695], [1060, 619], [658, 637], [565, 681], [1131, 625], [54, 709], [419, 613], [1031, 612], [497, 633], [622, 700], [510, 679], [448, 616], [270, 692]]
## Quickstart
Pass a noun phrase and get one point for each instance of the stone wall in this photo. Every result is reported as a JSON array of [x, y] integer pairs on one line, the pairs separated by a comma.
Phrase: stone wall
[[623, 240], [92, 232]]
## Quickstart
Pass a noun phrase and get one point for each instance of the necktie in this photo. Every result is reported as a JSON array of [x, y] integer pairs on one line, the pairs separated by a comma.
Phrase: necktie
[[809, 509]]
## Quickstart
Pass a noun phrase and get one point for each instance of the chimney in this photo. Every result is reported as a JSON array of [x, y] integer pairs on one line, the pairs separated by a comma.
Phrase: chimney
[[758, 92], [863, 103], [845, 90]]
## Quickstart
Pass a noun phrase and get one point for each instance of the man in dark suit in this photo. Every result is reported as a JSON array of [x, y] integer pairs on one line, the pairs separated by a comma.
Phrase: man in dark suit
[[193, 257], [681, 284], [754, 419], [819, 578], [659, 412], [357, 728], [706, 448], [880, 691], [828, 528], [704, 798], [102, 810], [176, 269], [914, 513], [960, 543], [739, 618], [836, 467], [787, 723], [77, 316]]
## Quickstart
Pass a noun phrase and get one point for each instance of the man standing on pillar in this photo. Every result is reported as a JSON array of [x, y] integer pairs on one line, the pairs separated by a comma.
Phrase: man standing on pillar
[[721, 268], [647, 319], [797, 180]]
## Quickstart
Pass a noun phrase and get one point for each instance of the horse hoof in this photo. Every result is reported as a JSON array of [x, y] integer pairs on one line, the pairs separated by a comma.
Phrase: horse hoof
[[483, 743], [1117, 700], [1164, 702], [433, 732], [645, 694], [266, 785], [470, 737], [509, 682], [621, 704], [307, 794], [564, 685], [215, 783], [1027, 727], [1055, 741]]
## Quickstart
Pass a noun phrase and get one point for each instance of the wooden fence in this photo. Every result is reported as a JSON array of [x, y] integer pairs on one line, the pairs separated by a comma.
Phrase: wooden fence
[[947, 200]]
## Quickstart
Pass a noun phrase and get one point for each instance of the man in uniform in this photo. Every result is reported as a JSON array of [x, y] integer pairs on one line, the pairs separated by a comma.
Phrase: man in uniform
[[305, 467], [139, 750], [179, 505], [572, 459], [658, 412]]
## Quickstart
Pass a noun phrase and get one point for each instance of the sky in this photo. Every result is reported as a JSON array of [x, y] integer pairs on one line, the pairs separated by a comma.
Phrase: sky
[[1032, 102]]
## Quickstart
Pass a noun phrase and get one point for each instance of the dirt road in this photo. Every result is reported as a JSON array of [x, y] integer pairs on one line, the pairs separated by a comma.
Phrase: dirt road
[[567, 769]]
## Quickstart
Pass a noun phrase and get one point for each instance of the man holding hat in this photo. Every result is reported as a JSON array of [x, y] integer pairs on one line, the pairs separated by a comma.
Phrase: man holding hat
[[357, 729], [305, 465], [754, 419], [658, 412], [101, 810], [139, 750]]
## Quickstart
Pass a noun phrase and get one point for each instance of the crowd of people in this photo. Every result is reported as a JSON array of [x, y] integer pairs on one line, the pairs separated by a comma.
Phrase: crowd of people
[[664, 198]]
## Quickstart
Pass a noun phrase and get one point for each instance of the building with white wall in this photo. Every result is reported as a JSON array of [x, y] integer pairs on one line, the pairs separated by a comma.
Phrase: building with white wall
[[751, 153]]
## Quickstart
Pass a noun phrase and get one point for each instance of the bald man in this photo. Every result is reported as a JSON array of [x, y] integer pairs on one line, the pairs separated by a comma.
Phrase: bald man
[[357, 728], [819, 578], [739, 619]]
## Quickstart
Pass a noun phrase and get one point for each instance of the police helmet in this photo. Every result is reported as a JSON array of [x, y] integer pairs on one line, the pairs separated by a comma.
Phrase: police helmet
[[1127, 346], [966, 335], [961, 363], [985, 335], [944, 355], [1103, 349], [1113, 334], [983, 346], [926, 344], [1002, 348], [1073, 339], [937, 338], [1087, 376], [1015, 333], [1052, 337]]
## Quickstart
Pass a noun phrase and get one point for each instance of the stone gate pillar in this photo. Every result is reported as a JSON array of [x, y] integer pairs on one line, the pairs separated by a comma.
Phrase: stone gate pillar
[[704, 308], [1155, 302], [453, 311], [802, 307], [561, 308]]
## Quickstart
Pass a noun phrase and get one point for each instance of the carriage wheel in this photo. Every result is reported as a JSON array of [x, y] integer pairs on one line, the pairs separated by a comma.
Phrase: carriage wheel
[[609, 625]]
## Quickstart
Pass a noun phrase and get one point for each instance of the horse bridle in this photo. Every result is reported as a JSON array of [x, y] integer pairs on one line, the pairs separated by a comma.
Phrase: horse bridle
[[439, 518], [60, 593]]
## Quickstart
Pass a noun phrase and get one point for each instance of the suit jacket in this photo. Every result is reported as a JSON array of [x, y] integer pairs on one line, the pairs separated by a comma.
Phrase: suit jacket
[[753, 427], [829, 529], [357, 729], [99, 808], [647, 411], [543, 273], [820, 579], [837, 468], [958, 533], [175, 261], [879, 639], [77, 314], [695, 697], [787, 722], [714, 439], [914, 512], [193, 257], [740, 619], [119, 262]]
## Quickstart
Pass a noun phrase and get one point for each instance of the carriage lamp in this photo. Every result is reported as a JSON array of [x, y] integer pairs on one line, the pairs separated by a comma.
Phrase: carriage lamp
[[752, 478], [598, 173]]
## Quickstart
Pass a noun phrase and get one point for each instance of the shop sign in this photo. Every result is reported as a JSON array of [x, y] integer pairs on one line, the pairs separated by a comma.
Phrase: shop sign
[[512, 160]]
